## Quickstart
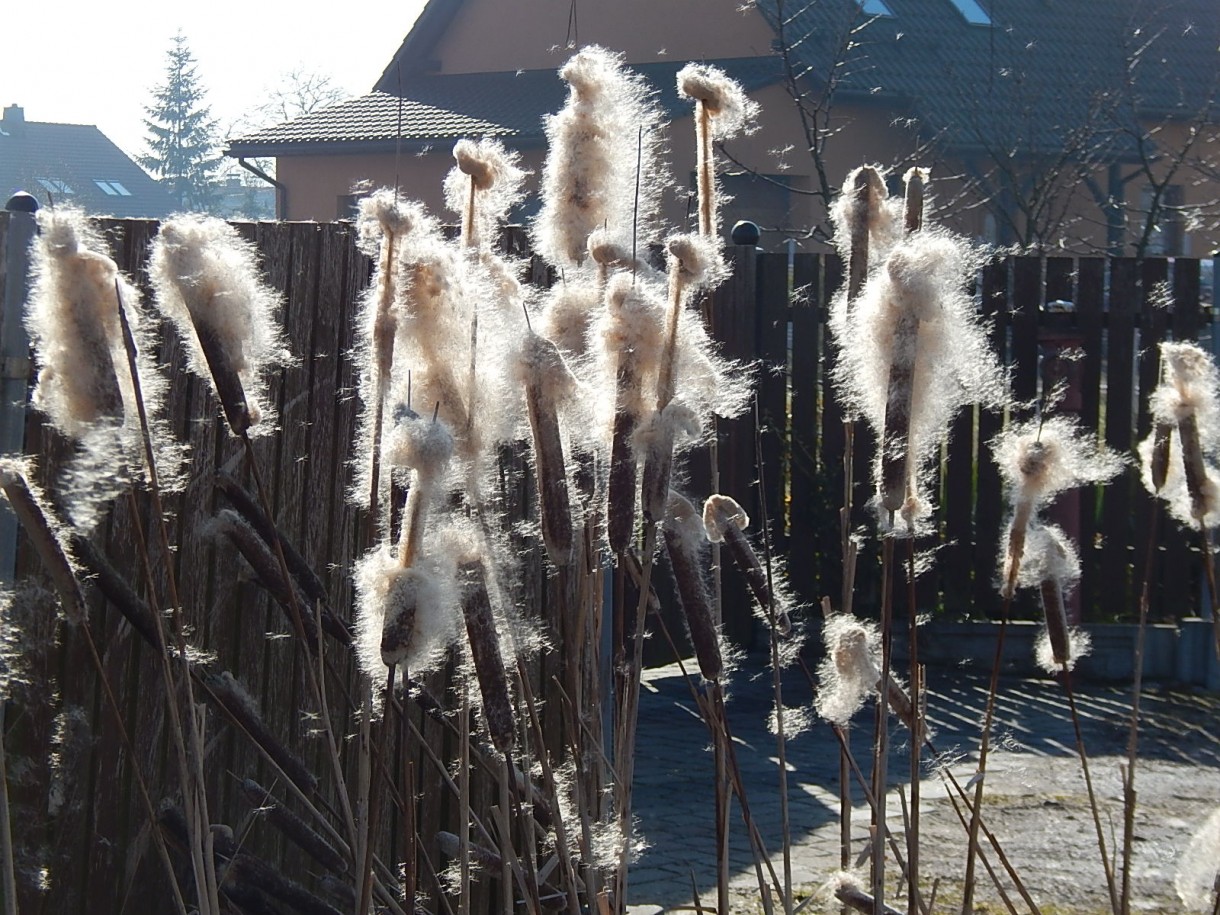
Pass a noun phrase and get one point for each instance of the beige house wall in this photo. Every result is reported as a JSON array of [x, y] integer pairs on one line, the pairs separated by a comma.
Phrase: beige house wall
[[496, 35]]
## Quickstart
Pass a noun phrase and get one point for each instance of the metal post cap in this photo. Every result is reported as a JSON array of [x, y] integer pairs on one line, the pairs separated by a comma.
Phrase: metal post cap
[[745, 233], [21, 202]]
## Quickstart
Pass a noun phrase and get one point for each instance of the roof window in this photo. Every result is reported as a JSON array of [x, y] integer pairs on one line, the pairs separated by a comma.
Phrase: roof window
[[974, 13], [55, 185], [112, 188], [876, 8]]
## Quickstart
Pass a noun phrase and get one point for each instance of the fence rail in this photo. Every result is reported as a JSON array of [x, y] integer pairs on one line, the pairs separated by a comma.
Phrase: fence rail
[[773, 311]]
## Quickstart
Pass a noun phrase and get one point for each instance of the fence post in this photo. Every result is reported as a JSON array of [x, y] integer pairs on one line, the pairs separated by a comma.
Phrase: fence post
[[14, 354]]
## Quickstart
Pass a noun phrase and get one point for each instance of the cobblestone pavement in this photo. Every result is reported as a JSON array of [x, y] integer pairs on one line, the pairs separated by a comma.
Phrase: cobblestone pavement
[[1035, 795]]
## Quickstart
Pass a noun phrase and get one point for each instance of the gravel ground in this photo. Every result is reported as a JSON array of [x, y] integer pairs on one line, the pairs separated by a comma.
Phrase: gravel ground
[[1035, 800]]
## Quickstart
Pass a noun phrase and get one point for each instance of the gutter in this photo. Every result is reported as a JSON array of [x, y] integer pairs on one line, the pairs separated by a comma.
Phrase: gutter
[[281, 190]]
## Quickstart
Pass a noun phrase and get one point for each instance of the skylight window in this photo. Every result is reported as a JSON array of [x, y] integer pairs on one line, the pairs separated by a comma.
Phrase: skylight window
[[876, 8], [55, 186], [112, 188], [974, 13]]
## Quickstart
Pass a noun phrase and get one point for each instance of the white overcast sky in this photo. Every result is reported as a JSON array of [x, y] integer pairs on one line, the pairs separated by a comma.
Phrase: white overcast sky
[[95, 62]]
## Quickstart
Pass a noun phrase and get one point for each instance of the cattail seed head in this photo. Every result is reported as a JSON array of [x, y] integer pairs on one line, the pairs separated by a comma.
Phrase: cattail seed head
[[484, 642], [1181, 466], [684, 540], [208, 286], [732, 111]]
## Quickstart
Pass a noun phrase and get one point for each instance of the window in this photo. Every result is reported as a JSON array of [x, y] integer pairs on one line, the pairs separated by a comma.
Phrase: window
[[876, 8], [112, 188], [974, 13], [55, 186]]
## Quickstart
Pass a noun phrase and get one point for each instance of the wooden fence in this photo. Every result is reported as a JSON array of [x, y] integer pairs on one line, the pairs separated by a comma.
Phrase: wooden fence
[[95, 843], [1104, 347]]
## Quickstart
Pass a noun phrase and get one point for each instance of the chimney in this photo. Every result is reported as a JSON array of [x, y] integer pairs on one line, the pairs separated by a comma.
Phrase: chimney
[[14, 120]]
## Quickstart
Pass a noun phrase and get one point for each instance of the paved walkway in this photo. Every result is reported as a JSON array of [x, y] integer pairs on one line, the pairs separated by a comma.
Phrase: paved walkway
[[673, 794]]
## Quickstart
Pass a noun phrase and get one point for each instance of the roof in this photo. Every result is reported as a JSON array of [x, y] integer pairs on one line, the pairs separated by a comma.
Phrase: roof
[[1024, 81], [75, 163], [1021, 83], [508, 105]]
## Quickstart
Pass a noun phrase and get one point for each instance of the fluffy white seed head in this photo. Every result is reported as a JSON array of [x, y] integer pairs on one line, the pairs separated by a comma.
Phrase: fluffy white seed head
[[541, 365], [1079, 642], [925, 279], [494, 172], [719, 511], [1039, 460], [698, 258], [609, 128], [1188, 393], [849, 672], [84, 384], [1049, 554], [384, 214], [207, 280], [419, 443], [732, 111], [571, 309], [385, 590]]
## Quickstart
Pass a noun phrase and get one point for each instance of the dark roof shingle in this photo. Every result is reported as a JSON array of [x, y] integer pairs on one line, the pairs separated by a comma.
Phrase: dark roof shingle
[[78, 164], [449, 107]]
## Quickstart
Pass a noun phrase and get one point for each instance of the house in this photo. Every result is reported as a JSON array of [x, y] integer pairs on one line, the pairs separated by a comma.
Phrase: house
[[77, 164], [1046, 122]]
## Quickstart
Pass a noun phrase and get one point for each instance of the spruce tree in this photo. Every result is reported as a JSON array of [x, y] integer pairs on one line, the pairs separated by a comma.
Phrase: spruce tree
[[181, 133]]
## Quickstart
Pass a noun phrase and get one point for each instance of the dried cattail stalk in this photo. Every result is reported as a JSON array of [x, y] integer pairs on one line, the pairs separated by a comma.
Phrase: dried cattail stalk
[[631, 337], [684, 536], [266, 566], [722, 110], [548, 382], [851, 672], [863, 203], [72, 317], [913, 352], [234, 699], [117, 590], [725, 522], [383, 222], [609, 127], [1051, 594], [1188, 399], [912, 212], [305, 577], [694, 261], [849, 891], [484, 185], [248, 868], [485, 653], [450, 847], [1038, 460], [300, 833], [43, 532], [425, 446], [207, 284], [1159, 462]]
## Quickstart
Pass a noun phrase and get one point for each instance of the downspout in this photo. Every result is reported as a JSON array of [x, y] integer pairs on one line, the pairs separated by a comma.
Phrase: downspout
[[281, 191]]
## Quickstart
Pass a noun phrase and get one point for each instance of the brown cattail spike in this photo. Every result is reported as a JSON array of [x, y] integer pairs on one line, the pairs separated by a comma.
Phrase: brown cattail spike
[[485, 653], [1163, 436], [1051, 592], [684, 533], [26, 506], [726, 521], [912, 210]]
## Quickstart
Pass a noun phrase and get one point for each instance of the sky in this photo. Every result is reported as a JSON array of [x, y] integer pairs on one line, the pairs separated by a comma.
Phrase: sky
[[97, 63]]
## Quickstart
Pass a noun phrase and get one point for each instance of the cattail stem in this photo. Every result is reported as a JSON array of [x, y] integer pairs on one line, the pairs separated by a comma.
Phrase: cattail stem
[[1129, 793], [411, 537], [915, 723], [1106, 864], [705, 169], [881, 744]]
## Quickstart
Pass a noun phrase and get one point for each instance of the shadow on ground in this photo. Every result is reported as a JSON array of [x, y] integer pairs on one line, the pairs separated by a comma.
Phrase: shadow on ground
[[674, 768]]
